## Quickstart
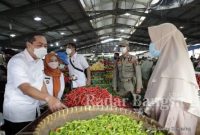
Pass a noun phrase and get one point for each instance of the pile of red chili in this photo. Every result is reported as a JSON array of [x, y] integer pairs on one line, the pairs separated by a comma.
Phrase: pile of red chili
[[92, 96]]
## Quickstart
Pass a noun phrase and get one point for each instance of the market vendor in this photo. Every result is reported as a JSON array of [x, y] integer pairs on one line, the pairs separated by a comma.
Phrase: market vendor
[[172, 92], [54, 78], [77, 66], [25, 86], [127, 72]]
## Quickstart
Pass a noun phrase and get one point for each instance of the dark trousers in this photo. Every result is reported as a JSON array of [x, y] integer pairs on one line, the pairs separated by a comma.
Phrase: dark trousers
[[13, 128]]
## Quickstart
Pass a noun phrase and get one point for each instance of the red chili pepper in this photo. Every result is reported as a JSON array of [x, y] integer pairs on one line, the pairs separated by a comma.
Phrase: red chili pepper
[[91, 96]]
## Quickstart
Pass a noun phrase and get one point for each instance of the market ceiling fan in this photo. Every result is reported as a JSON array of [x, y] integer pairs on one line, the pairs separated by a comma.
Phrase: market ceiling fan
[[168, 4]]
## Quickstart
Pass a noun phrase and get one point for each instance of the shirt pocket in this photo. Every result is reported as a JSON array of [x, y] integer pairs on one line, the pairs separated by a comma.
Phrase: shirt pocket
[[128, 67]]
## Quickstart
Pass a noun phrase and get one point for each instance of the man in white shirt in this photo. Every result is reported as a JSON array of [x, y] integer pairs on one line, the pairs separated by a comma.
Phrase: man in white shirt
[[77, 65], [25, 85]]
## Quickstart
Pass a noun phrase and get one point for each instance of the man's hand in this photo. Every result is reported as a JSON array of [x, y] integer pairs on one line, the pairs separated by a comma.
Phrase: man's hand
[[138, 90], [54, 104], [88, 82]]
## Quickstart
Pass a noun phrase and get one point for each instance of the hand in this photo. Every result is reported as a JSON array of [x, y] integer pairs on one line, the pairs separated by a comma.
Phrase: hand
[[88, 82], [138, 90], [54, 104]]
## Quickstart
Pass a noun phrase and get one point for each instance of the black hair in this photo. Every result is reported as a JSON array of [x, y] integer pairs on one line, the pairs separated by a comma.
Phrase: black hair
[[72, 44], [9, 51], [31, 37]]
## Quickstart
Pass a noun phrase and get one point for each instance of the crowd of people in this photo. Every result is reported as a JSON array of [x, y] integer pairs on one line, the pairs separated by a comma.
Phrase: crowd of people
[[32, 81], [35, 78], [169, 87]]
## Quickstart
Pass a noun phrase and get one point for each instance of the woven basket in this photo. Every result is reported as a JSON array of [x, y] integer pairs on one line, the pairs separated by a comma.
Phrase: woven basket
[[59, 118]]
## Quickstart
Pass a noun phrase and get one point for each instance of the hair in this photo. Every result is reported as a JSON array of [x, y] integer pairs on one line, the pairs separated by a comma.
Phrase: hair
[[31, 37], [72, 44]]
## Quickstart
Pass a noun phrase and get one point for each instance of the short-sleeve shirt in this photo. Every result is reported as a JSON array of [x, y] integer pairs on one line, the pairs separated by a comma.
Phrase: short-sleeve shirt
[[79, 61], [22, 68], [49, 84]]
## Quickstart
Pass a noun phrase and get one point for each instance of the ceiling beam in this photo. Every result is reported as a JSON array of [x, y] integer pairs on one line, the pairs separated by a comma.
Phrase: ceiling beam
[[115, 7], [96, 30], [6, 4], [154, 14], [120, 11], [106, 34], [64, 25], [84, 13], [22, 9], [51, 16], [86, 32], [84, 46], [4, 35], [10, 31], [14, 21], [69, 16]]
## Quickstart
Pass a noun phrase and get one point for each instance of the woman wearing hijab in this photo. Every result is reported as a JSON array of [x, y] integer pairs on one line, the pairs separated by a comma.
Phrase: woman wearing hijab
[[172, 92], [54, 78]]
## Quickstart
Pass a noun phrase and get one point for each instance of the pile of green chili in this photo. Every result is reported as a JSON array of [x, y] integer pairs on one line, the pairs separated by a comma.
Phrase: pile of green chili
[[107, 124]]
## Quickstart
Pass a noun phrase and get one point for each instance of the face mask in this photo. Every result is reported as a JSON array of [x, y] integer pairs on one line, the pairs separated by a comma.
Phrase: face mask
[[68, 51], [153, 51], [61, 66], [53, 65], [123, 50], [40, 52]]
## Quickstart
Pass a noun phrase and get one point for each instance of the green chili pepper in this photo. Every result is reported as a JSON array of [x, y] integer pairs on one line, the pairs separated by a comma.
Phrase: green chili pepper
[[108, 124]]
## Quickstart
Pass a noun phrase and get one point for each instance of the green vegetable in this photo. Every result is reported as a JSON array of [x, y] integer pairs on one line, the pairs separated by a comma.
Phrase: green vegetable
[[108, 124]]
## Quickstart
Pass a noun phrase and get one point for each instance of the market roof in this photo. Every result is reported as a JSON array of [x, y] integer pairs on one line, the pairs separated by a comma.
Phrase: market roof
[[94, 22]]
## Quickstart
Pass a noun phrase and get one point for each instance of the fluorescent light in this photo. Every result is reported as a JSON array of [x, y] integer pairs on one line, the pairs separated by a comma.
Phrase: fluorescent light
[[111, 39], [107, 40], [137, 24], [61, 47], [74, 40], [62, 33], [142, 18], [83, 3], [132, 31], [12, 35], [122, 30], [181, 27], [57, 44], [37, 18], [51, 45], [127, 14], [104, 37], [155, 1]]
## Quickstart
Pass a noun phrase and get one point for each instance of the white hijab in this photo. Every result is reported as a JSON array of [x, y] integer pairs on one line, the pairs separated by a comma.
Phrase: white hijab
[[174, 59], [173, 64]]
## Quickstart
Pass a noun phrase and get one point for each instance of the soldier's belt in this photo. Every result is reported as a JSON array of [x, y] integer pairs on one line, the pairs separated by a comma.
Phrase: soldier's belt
[[126, 80]]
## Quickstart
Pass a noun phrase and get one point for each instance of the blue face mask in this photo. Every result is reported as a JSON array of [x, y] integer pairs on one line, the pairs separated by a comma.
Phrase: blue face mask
[[153, 51]]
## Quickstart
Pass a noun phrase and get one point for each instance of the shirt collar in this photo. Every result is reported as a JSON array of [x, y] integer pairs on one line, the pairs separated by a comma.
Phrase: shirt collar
[[74, 56], [28, 56]]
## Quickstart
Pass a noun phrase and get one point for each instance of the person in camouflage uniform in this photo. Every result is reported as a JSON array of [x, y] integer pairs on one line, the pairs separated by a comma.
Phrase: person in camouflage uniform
[[127, 73]]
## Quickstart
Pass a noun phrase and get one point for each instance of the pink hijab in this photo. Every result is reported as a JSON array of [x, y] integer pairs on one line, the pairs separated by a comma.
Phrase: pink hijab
[[173, 76]]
